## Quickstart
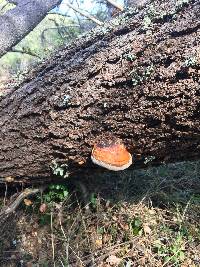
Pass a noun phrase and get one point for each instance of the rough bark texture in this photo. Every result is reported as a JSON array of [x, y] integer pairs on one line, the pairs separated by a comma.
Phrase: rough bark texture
[[138, 81], [16, 23]]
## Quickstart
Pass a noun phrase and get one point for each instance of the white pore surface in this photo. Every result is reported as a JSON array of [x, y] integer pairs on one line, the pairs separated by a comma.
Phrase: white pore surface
[[112, 167]]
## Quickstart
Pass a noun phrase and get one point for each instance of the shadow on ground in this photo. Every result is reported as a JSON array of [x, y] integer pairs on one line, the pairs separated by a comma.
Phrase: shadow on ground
[[166, 184]]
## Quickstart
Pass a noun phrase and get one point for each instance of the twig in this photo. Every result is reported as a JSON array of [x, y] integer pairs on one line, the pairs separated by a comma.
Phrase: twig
[[27, 180], [59, 14], [52, 241], [185, 210], [30, 53], [88, 239], [116, 5], [13, 206], [2, 6], [110, 250], [88, 16], [5, 195], [169, 259], [62, 263], [77, 256], [57, 28], [66, 239], [15, 2]]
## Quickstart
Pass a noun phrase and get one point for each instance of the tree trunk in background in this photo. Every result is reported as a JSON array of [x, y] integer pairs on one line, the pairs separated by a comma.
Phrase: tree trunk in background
[[138, 81], [16, 23]]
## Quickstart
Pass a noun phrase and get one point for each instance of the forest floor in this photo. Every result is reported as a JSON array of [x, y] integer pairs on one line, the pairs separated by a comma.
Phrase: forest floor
[[133, 218]]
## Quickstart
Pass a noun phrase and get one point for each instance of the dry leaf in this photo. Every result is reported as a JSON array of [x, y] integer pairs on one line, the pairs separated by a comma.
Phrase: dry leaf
[[113, 260], [152, 211], [98, 242], [43, 208], [106, 238], [147, 229], [81, 162], [9, 179], [28, 202]]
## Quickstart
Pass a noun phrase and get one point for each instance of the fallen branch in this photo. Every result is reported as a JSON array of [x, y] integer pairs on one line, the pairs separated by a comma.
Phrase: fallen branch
[[15, 204], [118, 6]]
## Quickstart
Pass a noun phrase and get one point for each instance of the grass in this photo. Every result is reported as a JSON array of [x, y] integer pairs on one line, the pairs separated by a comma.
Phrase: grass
[[133, 218]]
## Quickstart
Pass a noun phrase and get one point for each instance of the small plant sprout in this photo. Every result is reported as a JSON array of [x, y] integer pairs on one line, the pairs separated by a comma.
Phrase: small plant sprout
[[173, 252], [56, 193], [149, 70], [135, 226], [59, 170], [191, 61], [149, 159], [135, 77], [93, 201], [129, 57]]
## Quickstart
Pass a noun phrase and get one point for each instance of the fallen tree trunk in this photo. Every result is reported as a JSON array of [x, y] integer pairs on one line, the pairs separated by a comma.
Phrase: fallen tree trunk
[[136, 78]]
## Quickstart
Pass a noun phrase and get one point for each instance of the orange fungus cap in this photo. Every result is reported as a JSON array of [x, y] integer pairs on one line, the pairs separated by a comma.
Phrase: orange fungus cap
[[111, 155]]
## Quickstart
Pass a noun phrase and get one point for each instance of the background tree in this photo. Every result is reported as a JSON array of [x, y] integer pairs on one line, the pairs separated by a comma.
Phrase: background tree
[[20, 20], [60, 25]]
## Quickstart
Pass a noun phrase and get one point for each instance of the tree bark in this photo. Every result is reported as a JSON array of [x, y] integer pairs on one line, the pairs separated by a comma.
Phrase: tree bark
[[16, 23], [138, 81]]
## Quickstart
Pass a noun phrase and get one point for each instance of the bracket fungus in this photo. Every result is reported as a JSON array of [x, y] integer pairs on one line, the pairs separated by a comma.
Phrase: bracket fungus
[[111, 154]]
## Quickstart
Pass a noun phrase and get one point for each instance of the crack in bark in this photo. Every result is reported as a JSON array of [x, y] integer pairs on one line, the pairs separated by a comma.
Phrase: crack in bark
[[186, 31]]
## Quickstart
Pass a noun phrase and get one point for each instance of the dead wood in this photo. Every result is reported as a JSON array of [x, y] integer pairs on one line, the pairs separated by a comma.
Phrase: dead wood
[[136, 78], [6, 211]]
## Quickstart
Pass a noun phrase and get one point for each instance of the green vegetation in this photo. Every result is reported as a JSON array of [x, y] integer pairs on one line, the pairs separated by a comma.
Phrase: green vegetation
[[136, 226], [59, 170], [55, 193], [172, 253]]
